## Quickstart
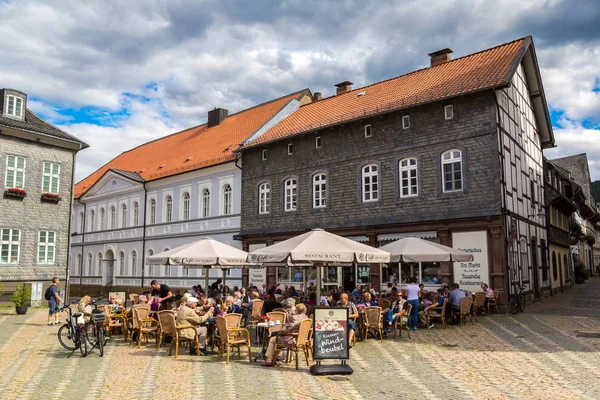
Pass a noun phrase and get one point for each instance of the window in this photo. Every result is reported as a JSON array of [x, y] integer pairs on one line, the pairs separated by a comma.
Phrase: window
[[449, 112], [452, 171], [10, 246], [136, 213], [532, 189], [370, 177], [98, 265], [152, 211], [368, 131], [167, 267], [291, 195], [14, 106], [320, 191], [81, 222], [264, 155], [92, 220], [113, 217], [51, 178], [122, 265], [150, 267], [264, 196], [226, 199], [290, 149], [186, 206], [524, 261], [78, 266], [123, 216], [205, 203], [90, 265], [102, 223], [168, 209], [408, 177], [318, 142], [15, 172], [133, 263], [405, 122]]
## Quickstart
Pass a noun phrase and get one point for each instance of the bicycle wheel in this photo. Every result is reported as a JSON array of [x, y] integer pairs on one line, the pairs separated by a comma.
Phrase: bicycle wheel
[[101, 341], [83, 341], [522, 303], [514, 306], [65, 337]]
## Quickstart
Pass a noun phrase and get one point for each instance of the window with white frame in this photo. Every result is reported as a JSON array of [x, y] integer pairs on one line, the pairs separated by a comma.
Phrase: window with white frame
[[448, 112], [291, 195], [168, 209], [290, 149], [405, 122], [319, 191], [51, 178], [452, 175], [81, 222], [102, 222], [318, 142], [368, 131], [264, 155], [150, 266], [205, 203], [14, 106], [98, 265], [122, 266], [136, 213], [152, 214], [113, 217], [10, 246], [92, 221], [46, 246], [186, 206], [226, 199], [15, 172], [408, 177], [133, 263], [90, 264], [123, 216], [264, 198], [79, 265], [370, 184]]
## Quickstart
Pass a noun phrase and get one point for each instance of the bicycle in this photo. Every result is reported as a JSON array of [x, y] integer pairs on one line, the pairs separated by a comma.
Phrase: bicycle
[[73, 331], [97, 328], [517, 301]]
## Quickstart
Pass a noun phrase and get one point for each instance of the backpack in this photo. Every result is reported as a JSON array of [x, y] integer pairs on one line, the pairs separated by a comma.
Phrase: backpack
[[48, 294]]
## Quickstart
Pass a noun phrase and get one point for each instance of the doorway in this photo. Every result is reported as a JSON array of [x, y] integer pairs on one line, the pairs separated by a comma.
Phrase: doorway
[[534, 265]]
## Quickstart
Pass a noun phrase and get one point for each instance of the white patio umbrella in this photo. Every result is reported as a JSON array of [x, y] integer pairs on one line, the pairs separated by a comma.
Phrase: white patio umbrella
[[204, 253], [321, 248], [412, 249]]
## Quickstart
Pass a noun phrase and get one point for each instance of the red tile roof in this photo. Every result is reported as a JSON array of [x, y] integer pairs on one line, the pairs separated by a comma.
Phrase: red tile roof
[[486, 69], [206, 146]]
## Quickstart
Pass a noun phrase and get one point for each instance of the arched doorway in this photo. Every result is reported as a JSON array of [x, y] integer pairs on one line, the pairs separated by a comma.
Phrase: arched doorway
[[109, 259]]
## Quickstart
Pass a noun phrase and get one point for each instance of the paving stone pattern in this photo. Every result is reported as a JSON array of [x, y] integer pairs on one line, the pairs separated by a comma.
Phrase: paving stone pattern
[[533, 355]]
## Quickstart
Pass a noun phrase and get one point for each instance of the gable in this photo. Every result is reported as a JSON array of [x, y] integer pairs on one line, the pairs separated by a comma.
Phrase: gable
[[111, 184]]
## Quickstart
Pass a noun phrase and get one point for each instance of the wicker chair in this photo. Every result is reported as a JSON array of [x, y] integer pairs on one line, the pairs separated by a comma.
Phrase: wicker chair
[[436, 316], [384, 303], [114, 322], [302, 342], [280, 310], [230, 337], [257, 306], [401, 322], [144, 325], [168, 327], [479, 303], [465, 309], [493, 303], [373, 320], [134, 298], [233, 321]]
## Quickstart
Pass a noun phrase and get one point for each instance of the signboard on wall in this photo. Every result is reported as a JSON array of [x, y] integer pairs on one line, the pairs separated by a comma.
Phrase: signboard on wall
[[470, 275], [257, 276]]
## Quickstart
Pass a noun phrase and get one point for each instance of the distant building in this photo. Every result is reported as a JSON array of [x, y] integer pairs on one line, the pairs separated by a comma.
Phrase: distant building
[[163, 194], [451, 153], [36, 165]]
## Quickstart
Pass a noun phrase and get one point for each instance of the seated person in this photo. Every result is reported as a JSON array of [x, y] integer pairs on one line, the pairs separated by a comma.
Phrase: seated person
[[271, 304], [292, 326], [352, 315], [454, 297], [356, 293], [437, 279], [231, 307], [312, 299], [115, 308], [489, 293], [434, 308], [186, 315], [367, 300], [290, 308], [293, 292], [421, 290], [398, 308], [85, 307]]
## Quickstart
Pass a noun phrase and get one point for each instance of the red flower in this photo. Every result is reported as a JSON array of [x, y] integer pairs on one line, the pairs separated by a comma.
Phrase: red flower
[[16, 190], [48, 194]]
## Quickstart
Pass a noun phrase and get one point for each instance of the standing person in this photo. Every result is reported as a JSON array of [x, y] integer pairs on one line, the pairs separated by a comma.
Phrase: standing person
[[214, 288], [162, 295], [412, 293], [53, 301]]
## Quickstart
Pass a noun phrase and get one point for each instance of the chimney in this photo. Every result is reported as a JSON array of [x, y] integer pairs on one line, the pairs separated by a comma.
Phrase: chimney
[[216, 116], [317, 96], [440, 57], [343, 87]]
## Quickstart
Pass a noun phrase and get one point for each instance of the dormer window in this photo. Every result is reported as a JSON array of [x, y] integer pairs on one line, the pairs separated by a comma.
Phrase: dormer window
[[14, 106]]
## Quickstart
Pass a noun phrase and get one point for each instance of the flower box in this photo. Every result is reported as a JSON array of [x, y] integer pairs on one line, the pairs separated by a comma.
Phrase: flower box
[[15, 193], [50, 197]]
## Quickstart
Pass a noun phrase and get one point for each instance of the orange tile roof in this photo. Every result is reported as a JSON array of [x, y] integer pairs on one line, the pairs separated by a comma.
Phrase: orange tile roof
[[206, 146], [485, 69]]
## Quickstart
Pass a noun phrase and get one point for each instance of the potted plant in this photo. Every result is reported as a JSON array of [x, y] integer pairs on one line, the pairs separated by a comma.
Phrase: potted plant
[[20, 298], [15, 192], [51, 197]]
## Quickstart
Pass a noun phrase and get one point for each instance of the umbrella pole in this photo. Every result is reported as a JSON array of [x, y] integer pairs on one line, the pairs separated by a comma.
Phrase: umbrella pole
[[304, 288], [206, 281], [224, 283], [319, 267]]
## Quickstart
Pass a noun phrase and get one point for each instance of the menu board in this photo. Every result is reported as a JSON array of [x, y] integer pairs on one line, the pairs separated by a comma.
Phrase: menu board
[[330, 338]]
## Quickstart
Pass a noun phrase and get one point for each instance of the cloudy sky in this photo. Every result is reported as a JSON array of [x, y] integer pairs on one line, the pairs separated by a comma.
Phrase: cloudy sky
[[120, 73]]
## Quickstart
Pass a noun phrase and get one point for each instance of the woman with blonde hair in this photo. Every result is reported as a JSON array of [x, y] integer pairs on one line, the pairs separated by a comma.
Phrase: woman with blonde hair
[[85, 307]]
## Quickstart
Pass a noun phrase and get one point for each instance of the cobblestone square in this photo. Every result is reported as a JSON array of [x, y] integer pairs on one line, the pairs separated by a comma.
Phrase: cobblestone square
[[533, 355]]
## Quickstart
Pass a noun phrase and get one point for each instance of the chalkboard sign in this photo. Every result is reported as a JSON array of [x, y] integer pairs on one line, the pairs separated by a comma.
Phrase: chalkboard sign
[[330, 338]]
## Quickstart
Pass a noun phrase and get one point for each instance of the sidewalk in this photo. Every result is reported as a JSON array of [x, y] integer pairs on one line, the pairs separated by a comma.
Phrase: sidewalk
[[578, 300]]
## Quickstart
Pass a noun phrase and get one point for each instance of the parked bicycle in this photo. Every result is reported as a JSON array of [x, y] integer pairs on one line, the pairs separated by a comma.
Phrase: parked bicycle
[[72, 334], [517, 301], [96, 329]]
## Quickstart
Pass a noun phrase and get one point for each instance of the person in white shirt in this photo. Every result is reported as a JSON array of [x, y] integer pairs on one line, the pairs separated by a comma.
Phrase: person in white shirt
[[413, 292]]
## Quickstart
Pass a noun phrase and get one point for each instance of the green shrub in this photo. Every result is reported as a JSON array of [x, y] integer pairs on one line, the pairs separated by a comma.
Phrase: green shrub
[[21, 296], [581, 273]]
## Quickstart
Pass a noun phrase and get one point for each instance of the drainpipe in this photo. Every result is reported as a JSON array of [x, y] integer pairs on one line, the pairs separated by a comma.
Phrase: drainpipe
[[82, 237], [70, 223], [144, 236]]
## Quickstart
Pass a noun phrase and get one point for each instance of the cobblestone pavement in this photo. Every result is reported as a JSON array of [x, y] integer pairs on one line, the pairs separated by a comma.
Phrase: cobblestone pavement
[[533, 355]]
